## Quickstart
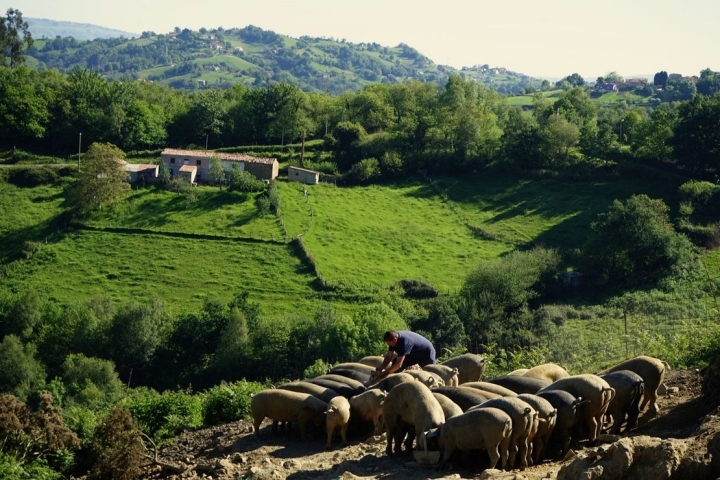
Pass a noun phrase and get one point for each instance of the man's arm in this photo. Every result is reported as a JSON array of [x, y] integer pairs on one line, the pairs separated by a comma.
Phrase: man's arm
[[393, 368]]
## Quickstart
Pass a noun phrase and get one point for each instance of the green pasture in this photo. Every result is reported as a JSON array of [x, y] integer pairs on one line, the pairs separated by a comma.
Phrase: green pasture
[[27, 214], [204, 210], [378, 235], [551, 212], [182, 271]]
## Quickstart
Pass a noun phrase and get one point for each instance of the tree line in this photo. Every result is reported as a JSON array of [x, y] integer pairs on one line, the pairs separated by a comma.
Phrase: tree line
[[457, 126]]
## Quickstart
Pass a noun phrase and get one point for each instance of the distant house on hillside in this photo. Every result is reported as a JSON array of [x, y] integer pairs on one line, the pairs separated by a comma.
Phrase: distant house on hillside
[[303, 175], [607, 87], [262, 168]]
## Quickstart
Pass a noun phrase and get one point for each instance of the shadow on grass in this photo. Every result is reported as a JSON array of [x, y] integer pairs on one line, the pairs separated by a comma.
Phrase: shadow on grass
[[511, 197]]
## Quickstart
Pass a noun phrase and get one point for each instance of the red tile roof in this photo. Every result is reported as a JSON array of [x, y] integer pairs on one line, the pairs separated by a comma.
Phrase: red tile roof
[[230, 157]]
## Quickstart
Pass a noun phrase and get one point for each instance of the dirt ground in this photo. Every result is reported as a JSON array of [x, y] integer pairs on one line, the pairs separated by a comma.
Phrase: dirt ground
[[230, 451]]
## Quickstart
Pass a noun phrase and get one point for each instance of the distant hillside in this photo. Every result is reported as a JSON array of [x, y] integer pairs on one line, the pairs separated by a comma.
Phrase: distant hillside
[[254, 57], [43, 27]]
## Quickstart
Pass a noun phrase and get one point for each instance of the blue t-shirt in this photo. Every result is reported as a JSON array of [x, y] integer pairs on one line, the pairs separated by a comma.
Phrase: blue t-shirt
[[415, 348]]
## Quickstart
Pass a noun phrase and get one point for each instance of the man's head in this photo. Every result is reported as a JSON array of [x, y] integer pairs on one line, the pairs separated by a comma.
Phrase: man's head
[[391, 338]]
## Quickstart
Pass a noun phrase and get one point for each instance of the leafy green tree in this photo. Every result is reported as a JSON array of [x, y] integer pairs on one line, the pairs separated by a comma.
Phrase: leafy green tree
[[20, 372], [366, 169], [287, 110], [521, 140], [574, 80], [23, 317], [599, 143], [102, 179], [217, 171], [371, 108], [164, 175], [652, 139], [241, 181], [442, 325], [137, 331], [91, 382], [636, 244], [696, 138], [25, 105], [346, 136], [708, 83], [14, 38], [499, 290], [558, 137]]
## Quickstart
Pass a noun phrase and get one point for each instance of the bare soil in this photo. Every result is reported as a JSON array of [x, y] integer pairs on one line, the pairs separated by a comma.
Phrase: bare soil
[[231, 452]]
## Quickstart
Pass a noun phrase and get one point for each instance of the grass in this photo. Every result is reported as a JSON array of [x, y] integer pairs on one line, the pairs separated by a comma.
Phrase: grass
[[27, 214], [377, 235], [213, 212], [552, 212], [182, 271]]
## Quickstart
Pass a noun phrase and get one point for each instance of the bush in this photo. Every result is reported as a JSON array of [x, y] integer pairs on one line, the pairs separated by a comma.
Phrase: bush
[[118, 447], [80, 420], [242, 181], [318, 368], [12, 469], [32, 176], [418, 289], [228, 402], [162, 416]]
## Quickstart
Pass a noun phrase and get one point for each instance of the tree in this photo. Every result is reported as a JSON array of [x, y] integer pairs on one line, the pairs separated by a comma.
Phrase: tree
[[660, 79], [636, 244], [20, 372], [14, 37], [217, 171], [653, 137], [558, 137], [575, 80], [696, 137], [497, 291], [102, 179]]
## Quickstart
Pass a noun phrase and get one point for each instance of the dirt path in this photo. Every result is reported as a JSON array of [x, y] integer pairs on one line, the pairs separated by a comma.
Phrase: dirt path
[[230, 451]]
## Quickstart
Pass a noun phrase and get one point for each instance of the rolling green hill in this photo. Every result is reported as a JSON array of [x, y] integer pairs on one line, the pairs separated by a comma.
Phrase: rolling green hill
[[214, 243], [254, 57]]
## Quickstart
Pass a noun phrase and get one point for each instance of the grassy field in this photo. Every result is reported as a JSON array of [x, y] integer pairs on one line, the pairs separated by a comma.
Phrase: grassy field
[[211, 212], [182, 271], [27, 214], [214, 242], [553, 212], [380, 234]]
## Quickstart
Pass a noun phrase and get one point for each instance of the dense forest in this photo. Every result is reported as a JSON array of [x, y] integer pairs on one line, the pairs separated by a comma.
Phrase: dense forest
[[641, 259]]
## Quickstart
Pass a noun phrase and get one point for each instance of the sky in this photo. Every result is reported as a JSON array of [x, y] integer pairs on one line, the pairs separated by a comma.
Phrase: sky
[[541, 38]]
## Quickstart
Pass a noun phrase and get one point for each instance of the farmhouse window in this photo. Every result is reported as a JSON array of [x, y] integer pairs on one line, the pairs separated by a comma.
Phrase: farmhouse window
[[186, 162], [199, 162], [172, 160]]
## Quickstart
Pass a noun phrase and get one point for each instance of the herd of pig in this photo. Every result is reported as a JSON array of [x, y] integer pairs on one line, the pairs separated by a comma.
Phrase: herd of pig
[[447, 407]]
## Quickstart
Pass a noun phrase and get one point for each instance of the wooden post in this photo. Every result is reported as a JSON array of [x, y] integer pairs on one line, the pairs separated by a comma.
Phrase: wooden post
[[302, 151]]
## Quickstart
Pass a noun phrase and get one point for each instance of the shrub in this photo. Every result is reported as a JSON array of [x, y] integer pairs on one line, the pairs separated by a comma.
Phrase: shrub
[[117, 447], [162, 416], [228, 402], [13, 469], [318, 368], [32, 176], [418, 289], [80, 420], [242, 181]]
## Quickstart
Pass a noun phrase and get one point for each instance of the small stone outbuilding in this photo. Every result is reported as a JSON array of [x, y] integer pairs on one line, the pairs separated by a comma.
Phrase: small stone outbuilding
[[303, 175]]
